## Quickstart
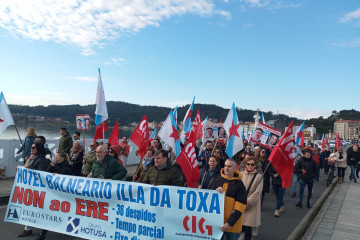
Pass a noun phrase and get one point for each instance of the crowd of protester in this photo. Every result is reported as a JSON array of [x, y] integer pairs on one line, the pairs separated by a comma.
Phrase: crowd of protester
[[246, 178]]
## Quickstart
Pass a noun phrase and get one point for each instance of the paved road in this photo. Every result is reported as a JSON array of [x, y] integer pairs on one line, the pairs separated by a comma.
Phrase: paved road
[[272, 228]]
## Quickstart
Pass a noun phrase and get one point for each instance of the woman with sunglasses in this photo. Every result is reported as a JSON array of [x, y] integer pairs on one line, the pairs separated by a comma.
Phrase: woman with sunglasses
[[36, 161], [251, 179], [209, 174]]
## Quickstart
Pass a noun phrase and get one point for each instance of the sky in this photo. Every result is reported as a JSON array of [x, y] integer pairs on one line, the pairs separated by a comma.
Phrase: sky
[[300, 57]]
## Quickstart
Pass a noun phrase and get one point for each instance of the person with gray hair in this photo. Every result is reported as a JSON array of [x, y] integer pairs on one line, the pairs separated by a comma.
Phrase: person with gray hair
[[106, 166]]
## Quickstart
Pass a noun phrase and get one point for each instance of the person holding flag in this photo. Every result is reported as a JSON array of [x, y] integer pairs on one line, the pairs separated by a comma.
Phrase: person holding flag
[[309, 170], [29, 140]]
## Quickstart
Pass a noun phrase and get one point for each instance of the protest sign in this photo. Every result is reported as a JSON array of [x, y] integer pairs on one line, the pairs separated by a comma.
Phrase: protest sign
[[212, 131], [83, 122], [105, 209], [265, 136]]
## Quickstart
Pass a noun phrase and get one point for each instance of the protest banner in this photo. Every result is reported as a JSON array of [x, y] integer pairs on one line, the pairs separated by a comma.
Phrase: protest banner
[[265, 136], [105, 209], [83, 122], [214, 131]]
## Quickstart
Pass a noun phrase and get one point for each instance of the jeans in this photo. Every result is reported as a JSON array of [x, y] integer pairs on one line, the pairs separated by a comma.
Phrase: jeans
[[230, 236], [279, 196], [248, 232], [295, 178], [352, 174], [303, 183], [341, 172]]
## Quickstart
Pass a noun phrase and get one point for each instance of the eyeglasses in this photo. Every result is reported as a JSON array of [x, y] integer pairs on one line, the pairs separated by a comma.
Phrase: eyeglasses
[[33, 147], [250, 164]]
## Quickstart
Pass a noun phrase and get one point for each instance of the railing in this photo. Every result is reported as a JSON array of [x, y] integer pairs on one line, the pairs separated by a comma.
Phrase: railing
[[8, 149]]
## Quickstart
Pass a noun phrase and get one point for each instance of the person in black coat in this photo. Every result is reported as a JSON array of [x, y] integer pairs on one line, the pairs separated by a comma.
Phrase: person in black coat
[[37, 159], [263, 158], [308, 172], [209, 174], [59, 166]]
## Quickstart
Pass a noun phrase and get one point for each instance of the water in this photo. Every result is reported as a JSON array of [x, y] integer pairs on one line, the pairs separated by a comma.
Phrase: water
[[52, 131]]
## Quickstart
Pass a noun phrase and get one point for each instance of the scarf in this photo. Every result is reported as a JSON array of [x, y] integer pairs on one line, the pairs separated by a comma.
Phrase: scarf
[[147, 162], [341, 155]]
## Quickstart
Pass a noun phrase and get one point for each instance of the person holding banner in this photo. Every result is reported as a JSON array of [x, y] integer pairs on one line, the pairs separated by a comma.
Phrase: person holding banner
[[106, 167], [235, 199], [59, 166], [251, 179], [163, 172], [36, 161], [144, 165], [209, 174]]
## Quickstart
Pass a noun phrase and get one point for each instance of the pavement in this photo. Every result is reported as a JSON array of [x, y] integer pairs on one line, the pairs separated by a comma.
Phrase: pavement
[[336, 217], [339, 216]]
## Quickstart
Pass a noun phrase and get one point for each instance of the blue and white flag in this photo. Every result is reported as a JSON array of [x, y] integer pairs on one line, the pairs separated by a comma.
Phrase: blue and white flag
[[185, 133], [262, 117], [101, 113], [234, 132], [153, 135], [298, 134], [6, 118], [169, 134]]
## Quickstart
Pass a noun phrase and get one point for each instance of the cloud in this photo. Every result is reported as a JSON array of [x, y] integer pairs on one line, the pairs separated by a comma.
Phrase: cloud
[[353, 42], [85, 79], [247, 25], [117, 61], [304, 113], [349, 17], [89, 24], [20, 99]]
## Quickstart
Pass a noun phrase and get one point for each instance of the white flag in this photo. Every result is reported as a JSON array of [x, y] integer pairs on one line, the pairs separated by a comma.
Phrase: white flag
[[6, 118], [101, 113]]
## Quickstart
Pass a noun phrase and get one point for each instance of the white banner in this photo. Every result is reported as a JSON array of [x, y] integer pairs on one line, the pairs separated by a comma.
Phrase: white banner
[[104, 209]]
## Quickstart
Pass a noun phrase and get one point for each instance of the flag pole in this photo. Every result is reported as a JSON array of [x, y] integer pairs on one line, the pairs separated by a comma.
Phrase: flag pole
[[84, 141], [18, 134]]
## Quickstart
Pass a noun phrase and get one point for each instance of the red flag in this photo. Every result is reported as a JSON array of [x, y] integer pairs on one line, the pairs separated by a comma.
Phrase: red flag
[[99, 131], [282, 157], [221, 120], [338, 142], [140, 137], [189, 164], [114, 136]]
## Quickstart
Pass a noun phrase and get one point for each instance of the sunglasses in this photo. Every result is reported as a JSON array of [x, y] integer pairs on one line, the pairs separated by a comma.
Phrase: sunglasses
[[250, 164], [33, 147], [111, 151]]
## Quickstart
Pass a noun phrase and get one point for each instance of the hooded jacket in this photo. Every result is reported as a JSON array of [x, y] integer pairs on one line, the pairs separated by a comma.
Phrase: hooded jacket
[[235, 200], [310, 166]]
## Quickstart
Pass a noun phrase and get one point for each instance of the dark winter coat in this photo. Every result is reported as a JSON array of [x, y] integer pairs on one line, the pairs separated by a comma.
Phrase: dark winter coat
[[353, 157], [276, 180], [109, 168], [266, 179], [168, 175], [205, 180], [310, 166], [76, 158], [40, 163], [61, 168]]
